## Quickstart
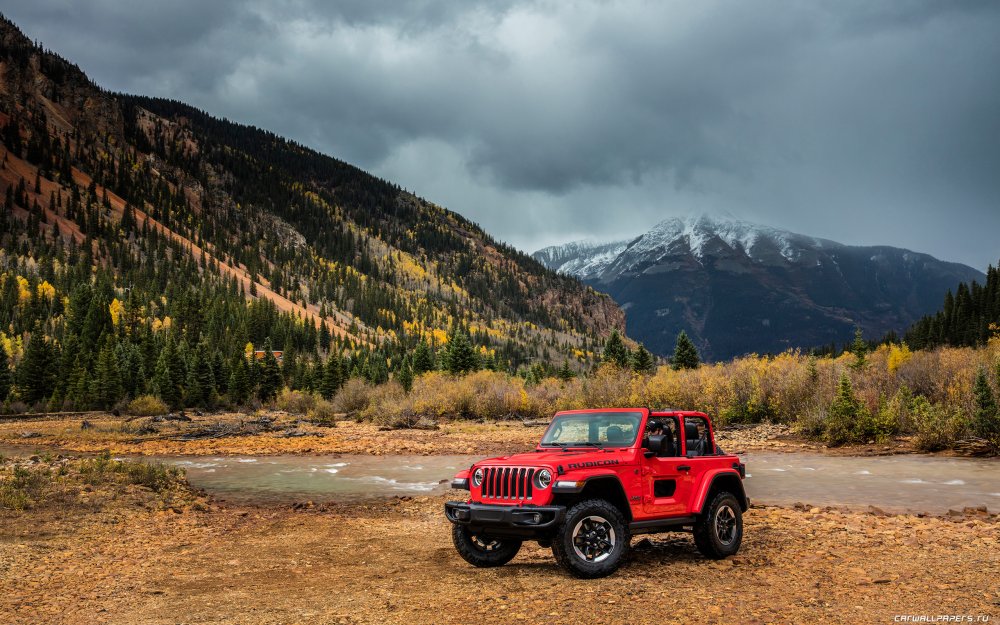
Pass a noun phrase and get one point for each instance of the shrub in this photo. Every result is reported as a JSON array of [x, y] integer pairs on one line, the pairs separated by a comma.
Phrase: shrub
[[151, 475], [936, 427], [295, 402], [24, 486], [322, 411], [353, 396], [986, 417], [146, 406], [103, 468], [844, 414], [386, 404], [878, 426], [811, 423]]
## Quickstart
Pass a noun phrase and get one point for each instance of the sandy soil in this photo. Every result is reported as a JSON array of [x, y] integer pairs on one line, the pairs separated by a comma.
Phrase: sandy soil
[[289, 435], [393, 562]]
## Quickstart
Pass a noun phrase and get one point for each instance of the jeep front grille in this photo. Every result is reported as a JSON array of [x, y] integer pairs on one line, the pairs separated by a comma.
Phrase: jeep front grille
[[510, 483]]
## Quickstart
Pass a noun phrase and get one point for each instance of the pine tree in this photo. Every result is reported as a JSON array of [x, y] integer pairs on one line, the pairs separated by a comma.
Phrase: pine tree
[[685, 353], [5, 377], [461, 355], [201, 379], [565, 373], [332, 377], [643, 361], [845, 413], [239, 382], [405, 375], [615, 351], [167, 377], [859, 347], [324, 336], [36, 372], [269, 378], [288, 366], [986, 418], [107, 385], [423, 358]]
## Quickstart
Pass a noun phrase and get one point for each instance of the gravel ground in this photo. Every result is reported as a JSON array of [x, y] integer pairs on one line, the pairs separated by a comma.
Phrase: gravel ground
[[121, 559]]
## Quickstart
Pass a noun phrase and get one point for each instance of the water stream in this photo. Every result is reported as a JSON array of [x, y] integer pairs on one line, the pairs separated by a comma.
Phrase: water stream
[[913, 483], [904, 483]]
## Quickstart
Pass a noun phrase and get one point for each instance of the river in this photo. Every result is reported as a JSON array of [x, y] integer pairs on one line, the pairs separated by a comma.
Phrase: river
[[903, 483]]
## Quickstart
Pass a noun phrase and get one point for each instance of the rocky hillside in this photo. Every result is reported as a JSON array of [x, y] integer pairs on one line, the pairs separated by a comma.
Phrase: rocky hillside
[[738, 287], [165, 198]]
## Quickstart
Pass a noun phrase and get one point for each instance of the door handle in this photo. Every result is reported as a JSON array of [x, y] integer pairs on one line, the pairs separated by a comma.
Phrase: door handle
[[684, 467]]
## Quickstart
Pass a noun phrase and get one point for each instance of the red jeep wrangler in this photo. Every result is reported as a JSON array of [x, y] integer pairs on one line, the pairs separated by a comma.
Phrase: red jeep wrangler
[[597, 478]]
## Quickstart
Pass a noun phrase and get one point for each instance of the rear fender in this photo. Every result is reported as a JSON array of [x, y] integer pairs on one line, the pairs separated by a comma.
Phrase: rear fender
[[716, 480]]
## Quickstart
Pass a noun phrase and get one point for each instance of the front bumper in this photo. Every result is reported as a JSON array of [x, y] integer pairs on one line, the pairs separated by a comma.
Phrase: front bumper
[[507, 520]]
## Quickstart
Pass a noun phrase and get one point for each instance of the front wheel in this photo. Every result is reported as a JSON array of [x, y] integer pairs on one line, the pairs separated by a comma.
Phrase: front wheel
[[483, 551], [719, 531], [593, 539]]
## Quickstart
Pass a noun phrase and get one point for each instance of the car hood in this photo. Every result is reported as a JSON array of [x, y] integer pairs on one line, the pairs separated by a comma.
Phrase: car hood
[[556, 458]]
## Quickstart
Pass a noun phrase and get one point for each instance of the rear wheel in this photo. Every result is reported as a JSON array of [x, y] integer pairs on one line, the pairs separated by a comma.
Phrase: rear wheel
[[483, 551], [719, 531], [593, 539]]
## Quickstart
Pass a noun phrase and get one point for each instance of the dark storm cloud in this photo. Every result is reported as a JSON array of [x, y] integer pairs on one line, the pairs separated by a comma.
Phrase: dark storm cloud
[[858, 121]]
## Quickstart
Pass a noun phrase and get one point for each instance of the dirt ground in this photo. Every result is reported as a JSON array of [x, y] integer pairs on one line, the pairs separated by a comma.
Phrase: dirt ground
[[393, 562], [288, 434]]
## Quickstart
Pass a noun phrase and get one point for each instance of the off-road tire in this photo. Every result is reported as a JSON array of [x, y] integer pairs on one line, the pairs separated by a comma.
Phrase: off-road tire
[[483, 551], [718, 532], [607, 523]]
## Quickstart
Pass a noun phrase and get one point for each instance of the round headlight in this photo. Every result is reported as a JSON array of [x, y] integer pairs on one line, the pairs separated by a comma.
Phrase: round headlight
[[543, 478], [477, 477]]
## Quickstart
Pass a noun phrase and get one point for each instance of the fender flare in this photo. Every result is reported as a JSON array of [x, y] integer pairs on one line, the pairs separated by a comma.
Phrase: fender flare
[[710, 479]]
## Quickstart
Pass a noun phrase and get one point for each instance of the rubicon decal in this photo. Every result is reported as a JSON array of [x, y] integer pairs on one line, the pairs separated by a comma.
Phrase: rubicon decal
[[597, 463]]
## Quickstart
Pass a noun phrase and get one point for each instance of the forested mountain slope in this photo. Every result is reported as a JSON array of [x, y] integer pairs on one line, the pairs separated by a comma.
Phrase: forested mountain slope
[[133, 223]]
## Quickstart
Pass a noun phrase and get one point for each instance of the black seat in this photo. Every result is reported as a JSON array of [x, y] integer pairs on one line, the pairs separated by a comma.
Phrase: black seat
[[615, 434], [695, 445], [669, 447]]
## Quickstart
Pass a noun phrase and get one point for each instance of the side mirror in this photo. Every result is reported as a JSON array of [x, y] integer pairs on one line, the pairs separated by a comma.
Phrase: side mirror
[[656, 443]]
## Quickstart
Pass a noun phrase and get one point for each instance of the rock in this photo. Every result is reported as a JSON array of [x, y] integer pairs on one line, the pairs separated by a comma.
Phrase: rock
[[976, 511], [813, 510], [643, 544], [86, 425], [876, 511], [30, 435]]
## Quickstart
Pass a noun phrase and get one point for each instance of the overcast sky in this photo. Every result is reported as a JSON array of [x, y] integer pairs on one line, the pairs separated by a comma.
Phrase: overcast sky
[[864, 122]]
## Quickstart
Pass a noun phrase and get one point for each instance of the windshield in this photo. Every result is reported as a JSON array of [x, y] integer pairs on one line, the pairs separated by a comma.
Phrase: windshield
[[615, 429]]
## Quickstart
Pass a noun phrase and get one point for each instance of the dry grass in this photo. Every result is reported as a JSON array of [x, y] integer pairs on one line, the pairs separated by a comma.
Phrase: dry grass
[[790, 388]]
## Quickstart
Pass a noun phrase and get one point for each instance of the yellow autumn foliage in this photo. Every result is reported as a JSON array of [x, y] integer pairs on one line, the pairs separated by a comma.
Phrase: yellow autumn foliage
[[117, 309], [45, 291], [23, 290]]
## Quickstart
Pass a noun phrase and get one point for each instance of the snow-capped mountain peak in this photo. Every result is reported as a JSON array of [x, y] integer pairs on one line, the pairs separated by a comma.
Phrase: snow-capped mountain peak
[[737, 287], [694, 235]]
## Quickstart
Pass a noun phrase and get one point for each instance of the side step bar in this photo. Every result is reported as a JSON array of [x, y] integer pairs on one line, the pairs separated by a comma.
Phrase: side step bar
[[655, 526]]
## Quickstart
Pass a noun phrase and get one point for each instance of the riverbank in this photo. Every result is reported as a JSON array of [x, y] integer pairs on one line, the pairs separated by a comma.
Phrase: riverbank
[[274, 432], [130, 556]]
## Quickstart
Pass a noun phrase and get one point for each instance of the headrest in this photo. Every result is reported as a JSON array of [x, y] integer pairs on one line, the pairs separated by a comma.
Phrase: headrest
[[615, 434], [690, 430]]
